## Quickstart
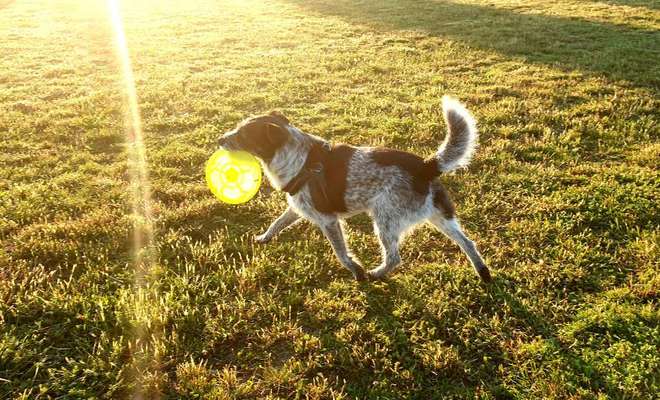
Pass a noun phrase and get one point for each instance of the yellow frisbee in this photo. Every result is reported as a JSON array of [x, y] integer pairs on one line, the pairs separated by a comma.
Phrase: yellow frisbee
[[233, 176]]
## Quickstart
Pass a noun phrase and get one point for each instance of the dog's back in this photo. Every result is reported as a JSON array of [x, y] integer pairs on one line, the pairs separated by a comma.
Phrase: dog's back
[[380, 177], [404, 183]]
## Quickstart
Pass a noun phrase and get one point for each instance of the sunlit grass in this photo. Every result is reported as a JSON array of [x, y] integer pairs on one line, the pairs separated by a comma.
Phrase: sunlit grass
[[122, 276]]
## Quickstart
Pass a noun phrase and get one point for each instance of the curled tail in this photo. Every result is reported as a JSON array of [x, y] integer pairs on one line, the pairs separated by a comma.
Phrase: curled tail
[[461, 140]]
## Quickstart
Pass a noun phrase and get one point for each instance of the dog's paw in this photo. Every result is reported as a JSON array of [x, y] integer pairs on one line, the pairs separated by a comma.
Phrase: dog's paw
[[262, 239], [375, 275], [361, 276], [358, 271], [483, 271], [484, 274]]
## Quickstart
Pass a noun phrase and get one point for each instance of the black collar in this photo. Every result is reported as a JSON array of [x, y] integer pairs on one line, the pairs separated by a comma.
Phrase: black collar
[[313, 167]]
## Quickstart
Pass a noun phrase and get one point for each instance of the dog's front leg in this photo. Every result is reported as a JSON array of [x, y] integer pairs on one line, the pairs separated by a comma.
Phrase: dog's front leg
[[288, 218], [335, 235]]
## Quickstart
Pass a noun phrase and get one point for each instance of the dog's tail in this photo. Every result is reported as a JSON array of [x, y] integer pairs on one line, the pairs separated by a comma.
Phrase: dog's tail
[[461, 140]]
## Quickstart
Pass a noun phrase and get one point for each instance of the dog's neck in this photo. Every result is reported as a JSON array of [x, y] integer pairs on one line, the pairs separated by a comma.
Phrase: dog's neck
[[287, 162]]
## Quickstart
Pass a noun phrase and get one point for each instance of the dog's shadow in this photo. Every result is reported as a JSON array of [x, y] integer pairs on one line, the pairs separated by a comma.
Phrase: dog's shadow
[[408, 342], [386, 354]]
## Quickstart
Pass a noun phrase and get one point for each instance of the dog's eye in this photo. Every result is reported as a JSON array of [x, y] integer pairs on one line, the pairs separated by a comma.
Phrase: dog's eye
[[243, 140]]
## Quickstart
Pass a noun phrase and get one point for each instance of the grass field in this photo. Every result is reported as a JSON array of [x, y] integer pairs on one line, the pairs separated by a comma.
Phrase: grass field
[[122, 277]]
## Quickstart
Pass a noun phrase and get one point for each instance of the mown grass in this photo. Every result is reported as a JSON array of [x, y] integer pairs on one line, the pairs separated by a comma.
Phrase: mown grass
[[562, 199]]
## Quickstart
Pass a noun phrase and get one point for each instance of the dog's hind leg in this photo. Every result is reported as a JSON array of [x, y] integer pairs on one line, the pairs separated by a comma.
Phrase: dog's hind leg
[[389, 235], [288, 218], [452, 229], [332, 230]]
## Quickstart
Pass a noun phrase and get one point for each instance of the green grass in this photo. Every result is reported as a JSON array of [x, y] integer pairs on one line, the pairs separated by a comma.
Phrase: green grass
[[562, 198]]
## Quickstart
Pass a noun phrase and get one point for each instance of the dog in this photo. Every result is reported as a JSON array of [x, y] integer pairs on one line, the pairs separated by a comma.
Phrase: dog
[[326, 183]]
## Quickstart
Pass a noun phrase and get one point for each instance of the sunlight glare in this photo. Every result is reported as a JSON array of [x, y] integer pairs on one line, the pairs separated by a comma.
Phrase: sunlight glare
[[145, 299], [141, 200]]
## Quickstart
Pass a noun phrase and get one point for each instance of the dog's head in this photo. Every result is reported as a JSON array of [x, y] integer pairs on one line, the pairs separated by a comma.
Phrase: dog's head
[[261, 136]]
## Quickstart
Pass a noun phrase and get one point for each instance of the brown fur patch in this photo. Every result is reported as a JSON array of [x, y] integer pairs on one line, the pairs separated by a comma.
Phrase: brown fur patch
[[335, 168], [422, 171], [325, 172]]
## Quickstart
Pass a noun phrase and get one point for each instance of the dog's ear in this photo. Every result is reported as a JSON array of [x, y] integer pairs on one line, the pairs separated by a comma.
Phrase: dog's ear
[[279, 115], [276, 135]]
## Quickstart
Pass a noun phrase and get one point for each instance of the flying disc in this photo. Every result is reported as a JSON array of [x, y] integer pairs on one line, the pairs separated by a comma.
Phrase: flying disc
[[234, 177]]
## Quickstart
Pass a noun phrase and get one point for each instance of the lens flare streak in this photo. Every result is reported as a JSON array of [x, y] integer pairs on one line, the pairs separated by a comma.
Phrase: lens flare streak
[[146, 335]]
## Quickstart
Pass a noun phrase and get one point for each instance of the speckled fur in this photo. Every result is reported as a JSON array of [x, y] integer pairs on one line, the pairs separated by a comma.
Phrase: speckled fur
[[385, 192]]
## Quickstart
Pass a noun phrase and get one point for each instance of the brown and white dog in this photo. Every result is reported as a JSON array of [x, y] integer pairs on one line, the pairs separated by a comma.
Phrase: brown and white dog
[[326, 183]]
